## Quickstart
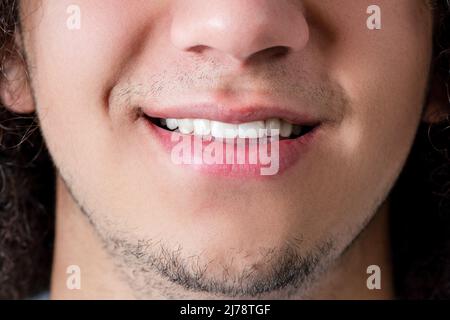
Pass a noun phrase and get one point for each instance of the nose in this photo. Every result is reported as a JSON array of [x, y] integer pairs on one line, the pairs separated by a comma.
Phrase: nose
[[239, 28]]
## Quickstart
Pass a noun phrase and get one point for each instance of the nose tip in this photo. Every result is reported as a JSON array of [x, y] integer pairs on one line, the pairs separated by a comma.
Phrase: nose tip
[[239, 28]]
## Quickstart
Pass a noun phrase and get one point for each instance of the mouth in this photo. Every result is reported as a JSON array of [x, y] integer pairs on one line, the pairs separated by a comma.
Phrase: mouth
[[238, 142]]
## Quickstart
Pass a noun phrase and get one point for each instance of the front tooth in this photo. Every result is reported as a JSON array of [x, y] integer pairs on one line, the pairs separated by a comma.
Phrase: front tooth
[[273, 124], [172, 124], [224, 130], [186, 126], [202, 127], [252, 130], [286, 129]]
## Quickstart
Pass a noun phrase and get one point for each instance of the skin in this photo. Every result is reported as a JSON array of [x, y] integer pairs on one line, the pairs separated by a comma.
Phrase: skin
[[117, 188]]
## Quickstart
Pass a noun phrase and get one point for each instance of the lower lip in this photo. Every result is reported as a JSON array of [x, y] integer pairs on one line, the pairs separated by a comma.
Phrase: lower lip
[[290, 152]]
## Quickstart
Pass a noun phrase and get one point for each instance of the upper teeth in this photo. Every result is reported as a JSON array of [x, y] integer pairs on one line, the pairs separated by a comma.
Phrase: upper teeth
[[217, 129]]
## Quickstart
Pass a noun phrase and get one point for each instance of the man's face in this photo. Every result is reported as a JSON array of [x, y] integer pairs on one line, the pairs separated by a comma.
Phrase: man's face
[[312, 63]]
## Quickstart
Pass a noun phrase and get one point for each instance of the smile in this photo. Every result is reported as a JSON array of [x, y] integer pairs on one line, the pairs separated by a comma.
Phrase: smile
[[264, 147]]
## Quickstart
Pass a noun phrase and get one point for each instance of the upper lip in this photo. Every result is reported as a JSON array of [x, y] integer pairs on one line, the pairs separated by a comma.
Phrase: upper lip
[[240, 113]]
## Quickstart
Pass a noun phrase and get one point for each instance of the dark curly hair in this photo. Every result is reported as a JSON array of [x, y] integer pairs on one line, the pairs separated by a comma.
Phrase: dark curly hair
[[420, 228], [26, 187]]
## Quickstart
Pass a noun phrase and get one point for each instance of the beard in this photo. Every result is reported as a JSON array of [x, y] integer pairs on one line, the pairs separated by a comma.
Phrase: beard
[[151, 265], [154, 269]]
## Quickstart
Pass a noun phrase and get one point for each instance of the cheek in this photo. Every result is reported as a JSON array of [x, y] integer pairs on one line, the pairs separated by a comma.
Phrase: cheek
[[85, 60], [385, 74], [74, 69]]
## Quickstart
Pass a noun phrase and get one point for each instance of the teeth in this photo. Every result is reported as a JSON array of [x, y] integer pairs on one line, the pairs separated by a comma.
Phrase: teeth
[[202, 127], [224, 130], [186, 126], [217, 129], [286, 129], [172, 124], [273, 124], [252, 130]]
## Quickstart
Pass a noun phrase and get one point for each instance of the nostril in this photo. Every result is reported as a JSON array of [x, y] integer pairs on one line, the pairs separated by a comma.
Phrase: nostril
[[269, 54], [278, 52], [197, 49]]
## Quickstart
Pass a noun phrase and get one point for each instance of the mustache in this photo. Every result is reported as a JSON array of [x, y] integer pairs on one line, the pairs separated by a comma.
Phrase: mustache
[[326, 96]]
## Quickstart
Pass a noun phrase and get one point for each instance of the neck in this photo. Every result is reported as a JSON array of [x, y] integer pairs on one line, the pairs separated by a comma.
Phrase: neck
[[76, 244]]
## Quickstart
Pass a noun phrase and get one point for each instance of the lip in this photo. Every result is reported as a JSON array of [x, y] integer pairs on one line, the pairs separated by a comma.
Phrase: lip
[[290, 152]]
